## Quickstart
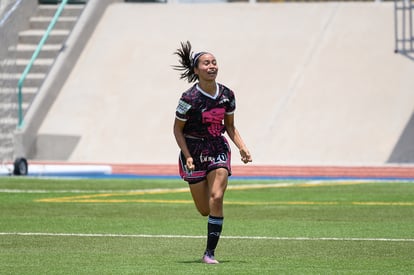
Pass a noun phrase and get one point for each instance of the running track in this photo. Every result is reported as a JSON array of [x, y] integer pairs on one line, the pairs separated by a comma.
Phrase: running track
[[274, 171], [267, 171]]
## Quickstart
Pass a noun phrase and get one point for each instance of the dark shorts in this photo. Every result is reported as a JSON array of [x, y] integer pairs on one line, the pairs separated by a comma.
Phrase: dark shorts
[[208, 155]]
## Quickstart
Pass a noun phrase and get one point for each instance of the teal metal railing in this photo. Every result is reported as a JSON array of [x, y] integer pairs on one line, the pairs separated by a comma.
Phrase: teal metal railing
[[32, 60]]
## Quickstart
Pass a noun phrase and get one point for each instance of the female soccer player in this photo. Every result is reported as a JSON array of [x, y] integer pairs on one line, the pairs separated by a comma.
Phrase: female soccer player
[[204, 113]]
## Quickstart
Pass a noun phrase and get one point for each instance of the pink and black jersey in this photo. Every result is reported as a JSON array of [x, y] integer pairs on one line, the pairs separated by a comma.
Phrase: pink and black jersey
[[204, 113]]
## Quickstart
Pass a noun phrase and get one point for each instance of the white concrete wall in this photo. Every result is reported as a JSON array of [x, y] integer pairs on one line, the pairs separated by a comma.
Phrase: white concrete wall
[[316, 83]]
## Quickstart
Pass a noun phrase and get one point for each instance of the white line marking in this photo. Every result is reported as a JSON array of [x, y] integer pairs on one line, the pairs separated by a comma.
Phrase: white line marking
[[203, 237], [24, 191]]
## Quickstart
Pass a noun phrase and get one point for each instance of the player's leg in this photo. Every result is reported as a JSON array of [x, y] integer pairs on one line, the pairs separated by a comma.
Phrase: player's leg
[[200, 194], [217, 182], [201, 197]]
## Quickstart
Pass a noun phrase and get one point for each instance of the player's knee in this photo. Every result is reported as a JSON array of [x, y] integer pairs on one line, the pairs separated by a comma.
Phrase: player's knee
[[222, 173], [216, 198]]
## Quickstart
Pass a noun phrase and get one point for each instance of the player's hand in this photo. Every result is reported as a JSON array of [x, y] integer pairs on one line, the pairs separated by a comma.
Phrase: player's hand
[[245, 155], [190, 164]]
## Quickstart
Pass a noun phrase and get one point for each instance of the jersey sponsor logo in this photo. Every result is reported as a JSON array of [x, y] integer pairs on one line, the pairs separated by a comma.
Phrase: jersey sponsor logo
[[183, 107]]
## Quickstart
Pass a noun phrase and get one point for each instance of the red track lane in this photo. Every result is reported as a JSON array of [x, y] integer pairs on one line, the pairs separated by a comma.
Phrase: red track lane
[[386, 171], [280, 171]]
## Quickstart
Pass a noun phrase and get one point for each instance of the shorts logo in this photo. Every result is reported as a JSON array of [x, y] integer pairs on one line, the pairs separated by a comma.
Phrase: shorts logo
[[221, 158]]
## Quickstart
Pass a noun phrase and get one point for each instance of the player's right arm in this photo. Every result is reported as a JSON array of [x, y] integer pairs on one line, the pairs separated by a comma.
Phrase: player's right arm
[[179, 137]]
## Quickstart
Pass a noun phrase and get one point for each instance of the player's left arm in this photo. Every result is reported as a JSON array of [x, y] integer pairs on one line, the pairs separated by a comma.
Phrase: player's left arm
[[234, 135]]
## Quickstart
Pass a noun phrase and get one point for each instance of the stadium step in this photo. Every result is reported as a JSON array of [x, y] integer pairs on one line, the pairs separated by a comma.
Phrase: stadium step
[[41, 65], [34, 36], [32, 79], [13, 107], [7, 151], [19, 57], [11, 94], [69, 10], [42, 22], [6, 138], [25, 51], [58, 1], [9, 121]]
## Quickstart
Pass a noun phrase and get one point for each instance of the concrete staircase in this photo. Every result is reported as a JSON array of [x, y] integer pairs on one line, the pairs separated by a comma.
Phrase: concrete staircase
[[18, 58]]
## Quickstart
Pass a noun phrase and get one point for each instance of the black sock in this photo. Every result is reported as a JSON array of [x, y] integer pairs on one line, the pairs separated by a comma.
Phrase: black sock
[[214, 227]]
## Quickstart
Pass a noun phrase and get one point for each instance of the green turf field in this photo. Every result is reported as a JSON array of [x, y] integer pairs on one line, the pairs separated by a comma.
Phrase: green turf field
[[62, 226]]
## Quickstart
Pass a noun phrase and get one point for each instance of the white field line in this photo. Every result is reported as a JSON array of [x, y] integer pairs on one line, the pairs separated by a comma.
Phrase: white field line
[[34, 191], [202, 237]]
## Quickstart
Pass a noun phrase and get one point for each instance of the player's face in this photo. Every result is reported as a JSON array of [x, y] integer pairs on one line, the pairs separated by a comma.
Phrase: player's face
[[207, 67]]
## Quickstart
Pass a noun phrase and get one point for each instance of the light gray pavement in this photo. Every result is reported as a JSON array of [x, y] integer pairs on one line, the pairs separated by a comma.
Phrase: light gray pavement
[[316, 83]]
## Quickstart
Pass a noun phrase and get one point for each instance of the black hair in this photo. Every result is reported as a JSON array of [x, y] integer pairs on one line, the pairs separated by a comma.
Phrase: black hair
[[188, 61]]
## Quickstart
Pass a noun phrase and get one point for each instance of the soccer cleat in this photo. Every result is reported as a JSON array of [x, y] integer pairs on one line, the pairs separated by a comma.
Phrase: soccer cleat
[[208, 259]]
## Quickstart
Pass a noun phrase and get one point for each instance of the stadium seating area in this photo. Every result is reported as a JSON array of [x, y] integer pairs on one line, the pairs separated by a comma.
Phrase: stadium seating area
[[316, 83]]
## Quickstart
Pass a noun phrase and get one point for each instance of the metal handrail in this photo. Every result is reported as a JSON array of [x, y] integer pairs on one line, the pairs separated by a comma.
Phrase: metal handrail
[[404, 37], [32, 60]]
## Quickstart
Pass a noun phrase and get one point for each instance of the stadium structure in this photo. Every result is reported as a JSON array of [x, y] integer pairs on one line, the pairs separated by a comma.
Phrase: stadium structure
[[318, 83]]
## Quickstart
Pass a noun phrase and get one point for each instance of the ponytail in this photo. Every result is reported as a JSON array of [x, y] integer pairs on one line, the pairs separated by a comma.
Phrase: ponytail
[[188, 61]]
